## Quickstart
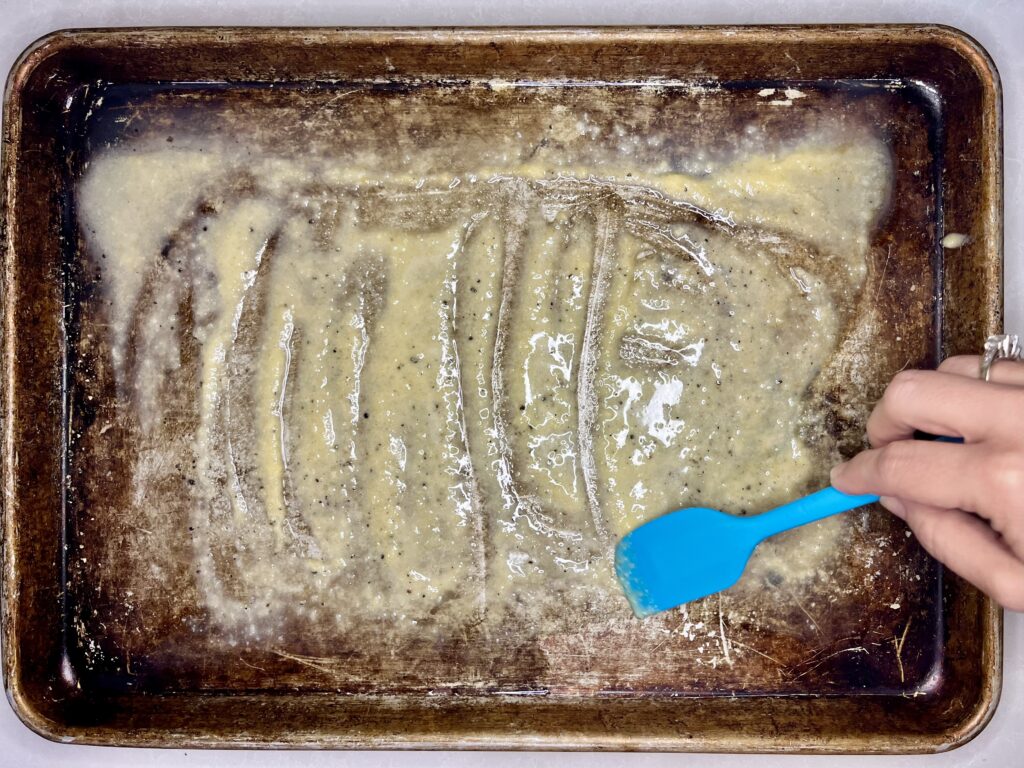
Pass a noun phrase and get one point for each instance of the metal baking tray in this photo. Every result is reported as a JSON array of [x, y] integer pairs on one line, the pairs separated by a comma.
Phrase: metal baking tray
[[907, 661]]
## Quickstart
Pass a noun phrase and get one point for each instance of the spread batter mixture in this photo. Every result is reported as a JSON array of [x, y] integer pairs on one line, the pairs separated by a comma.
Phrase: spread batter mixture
[[435, 399]]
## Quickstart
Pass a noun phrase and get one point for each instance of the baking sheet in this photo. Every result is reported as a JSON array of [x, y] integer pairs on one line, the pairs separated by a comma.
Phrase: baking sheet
[[762, 644]]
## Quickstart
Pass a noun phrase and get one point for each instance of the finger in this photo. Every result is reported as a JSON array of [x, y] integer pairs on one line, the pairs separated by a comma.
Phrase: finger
[[1002, 371], [970, 548], [936, 474], [922, 400]]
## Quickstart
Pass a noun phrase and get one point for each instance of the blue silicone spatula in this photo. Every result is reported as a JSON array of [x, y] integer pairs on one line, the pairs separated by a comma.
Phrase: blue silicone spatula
[[692, 553], [695, 552]]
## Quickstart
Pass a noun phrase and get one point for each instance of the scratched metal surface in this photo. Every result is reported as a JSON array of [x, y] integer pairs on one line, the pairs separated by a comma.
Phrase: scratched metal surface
[[869, 623], [134, 616]]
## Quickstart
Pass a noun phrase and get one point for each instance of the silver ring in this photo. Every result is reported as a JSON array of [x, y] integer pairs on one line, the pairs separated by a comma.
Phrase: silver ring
[[1001, 346]]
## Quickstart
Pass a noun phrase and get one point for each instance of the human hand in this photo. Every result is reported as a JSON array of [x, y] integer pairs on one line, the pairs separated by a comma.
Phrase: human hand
[[964, 502]]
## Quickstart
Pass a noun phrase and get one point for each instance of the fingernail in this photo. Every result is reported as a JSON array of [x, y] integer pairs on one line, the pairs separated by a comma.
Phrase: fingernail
[[894, 505], [836, 473]]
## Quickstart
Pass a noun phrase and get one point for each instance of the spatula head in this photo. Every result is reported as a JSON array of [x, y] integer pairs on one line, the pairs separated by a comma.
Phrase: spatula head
[[682, 556]]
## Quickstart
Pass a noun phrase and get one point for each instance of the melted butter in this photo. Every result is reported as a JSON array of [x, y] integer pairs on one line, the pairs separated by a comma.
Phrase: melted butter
[[428, 400]]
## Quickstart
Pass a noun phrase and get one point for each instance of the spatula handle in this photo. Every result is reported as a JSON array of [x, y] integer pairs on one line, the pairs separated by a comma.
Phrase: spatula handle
[[824, 503]]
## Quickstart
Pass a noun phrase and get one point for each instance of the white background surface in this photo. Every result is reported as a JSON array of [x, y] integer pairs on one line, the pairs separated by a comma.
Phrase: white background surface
[[999, 26]]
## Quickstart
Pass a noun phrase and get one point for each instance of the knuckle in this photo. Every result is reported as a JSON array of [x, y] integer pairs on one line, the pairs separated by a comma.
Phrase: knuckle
[[925, 529], [1006, 473], [894, 462], [905, 387], [874, 430]]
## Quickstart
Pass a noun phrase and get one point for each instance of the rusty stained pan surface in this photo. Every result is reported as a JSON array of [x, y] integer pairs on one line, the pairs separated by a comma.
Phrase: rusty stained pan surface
[[109, 636]]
